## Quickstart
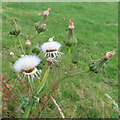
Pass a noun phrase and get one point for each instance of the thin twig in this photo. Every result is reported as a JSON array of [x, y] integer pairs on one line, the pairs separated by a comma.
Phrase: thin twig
[[61, 113]]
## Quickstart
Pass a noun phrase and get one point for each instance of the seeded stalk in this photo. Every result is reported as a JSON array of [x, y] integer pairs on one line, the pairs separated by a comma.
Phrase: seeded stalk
[[20, 44]]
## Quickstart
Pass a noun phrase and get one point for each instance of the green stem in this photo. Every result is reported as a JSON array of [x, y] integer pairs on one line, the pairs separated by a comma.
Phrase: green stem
[[68, 76], [36, 35], [21, 45], [28, 108], [69, 51], [44, 80]]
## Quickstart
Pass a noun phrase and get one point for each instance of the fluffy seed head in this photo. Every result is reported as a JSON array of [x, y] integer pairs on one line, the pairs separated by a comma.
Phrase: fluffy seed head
[[50, 46], [26, 63]]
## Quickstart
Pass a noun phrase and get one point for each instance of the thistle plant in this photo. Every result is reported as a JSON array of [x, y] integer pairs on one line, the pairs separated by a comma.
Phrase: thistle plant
[[70, 41], [34, 79], [41, 26]]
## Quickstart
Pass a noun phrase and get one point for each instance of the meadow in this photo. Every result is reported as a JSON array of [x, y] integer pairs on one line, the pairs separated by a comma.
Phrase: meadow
[[96, 31]]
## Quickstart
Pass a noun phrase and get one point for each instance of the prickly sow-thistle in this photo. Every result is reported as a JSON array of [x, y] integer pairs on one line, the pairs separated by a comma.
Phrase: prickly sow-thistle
[[51, 48], [27, 65]]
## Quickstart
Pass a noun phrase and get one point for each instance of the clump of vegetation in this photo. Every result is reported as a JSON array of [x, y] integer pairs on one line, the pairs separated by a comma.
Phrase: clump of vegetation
[[45, 74]]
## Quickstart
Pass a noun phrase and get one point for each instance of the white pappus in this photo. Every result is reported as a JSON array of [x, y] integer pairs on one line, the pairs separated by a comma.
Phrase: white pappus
[[51, 48], [27, 65]]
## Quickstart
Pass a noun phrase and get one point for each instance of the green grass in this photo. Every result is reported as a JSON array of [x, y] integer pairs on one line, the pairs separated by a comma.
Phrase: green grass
[[96, 29]]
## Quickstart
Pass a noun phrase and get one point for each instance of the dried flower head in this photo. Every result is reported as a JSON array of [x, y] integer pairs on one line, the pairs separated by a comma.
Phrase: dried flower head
[[71, 24], [109, 54], [51, 48], [51, 60], [46, 13]]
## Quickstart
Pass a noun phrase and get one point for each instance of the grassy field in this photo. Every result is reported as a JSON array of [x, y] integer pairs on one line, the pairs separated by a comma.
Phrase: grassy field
[[96, 29]]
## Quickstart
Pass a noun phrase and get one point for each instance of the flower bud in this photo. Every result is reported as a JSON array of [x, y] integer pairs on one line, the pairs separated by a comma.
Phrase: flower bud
[[12, 54], [28, 42], [40, 27], [27, 47], [46, 13], [71, 24], [13, 57], [36, 49], [70, 40], [51, 39], [16, 29], [109, 54], [96, 65]]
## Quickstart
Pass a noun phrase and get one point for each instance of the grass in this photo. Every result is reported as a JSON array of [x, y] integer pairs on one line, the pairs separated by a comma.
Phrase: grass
[[96, 29]]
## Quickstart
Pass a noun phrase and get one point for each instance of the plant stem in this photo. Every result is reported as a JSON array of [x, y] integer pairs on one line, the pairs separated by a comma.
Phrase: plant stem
[[44, 80], [21, 45], [28, 108], [69, 51], [67, 76]]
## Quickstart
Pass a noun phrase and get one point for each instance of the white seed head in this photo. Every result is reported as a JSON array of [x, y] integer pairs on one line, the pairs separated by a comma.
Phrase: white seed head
[[26, 63], [50, 46]]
